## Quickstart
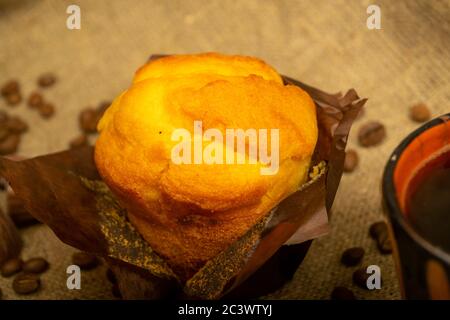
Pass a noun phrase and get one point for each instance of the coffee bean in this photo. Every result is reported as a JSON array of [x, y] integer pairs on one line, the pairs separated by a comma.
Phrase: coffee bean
[[88, 120], [26, 283], [4, 133], [85, 260], [10, 87], [16, 125], [35, 100], [4, 130], [352, 256], [47, 110], [9, 145], [13, 99], [3, 117], [377, 229], [360, 277], [371, 134], [46, 80], [420, 112], [380, 233], [342, 293], [351, 160], [111, 276], [384, 244], [80, 141], [11, 266], [11, 92], [35, 265]]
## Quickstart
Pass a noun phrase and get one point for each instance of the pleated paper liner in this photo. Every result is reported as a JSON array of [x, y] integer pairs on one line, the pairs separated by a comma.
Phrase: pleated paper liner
[[64, 191]]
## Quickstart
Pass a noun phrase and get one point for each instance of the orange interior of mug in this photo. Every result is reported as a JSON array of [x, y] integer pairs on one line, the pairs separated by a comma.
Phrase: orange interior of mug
[[416, 153]]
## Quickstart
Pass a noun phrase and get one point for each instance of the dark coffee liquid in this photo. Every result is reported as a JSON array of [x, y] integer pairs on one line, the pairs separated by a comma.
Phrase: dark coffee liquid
[[428, 201]]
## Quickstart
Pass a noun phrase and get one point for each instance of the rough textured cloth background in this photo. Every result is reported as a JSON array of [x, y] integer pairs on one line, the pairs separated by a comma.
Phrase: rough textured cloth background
[[323, 43]]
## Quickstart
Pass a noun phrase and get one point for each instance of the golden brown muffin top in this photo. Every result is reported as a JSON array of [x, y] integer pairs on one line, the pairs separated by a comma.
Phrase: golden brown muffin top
[[206, 63], [221, 91]]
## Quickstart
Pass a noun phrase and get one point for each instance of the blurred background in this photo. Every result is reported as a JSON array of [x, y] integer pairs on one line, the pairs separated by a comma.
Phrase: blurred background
[[323, 43]]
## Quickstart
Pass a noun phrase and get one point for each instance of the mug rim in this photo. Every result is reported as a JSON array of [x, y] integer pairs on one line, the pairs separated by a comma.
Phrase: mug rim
[[389, 192]]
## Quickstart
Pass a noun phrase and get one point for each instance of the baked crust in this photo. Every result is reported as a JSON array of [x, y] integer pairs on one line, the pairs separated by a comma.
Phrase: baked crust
[[191, 212]]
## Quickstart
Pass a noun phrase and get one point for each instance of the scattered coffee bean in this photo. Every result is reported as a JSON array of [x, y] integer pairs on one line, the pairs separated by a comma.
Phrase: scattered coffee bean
[[360, 277], [380, 233], [85, 260], [16, 125], [10, 87], [3, 117], [11, 266], [384, 244], [11, 92], [13, 99], [18, 213], [35, 100], [371, 134], [80, 141], [9, 145], [46, 80], [47, 110], [342, 293], [351, 160], [26, 283], [35, 265], [4, 132], [111, 276], [352, 256], [377, 229], [116, 291], [420, 112], [88, 120]]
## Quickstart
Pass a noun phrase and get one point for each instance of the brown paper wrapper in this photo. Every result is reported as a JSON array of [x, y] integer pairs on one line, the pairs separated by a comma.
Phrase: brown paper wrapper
[[64, 191]]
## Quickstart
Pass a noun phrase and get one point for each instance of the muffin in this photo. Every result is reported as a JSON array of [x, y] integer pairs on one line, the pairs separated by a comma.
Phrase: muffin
[[191, 210]]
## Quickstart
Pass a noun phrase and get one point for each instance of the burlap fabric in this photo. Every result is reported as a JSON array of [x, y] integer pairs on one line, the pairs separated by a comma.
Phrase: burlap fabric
[[323, 43]]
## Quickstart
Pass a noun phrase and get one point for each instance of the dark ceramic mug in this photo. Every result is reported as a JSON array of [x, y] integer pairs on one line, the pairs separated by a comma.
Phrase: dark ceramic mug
[[423, 267]]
